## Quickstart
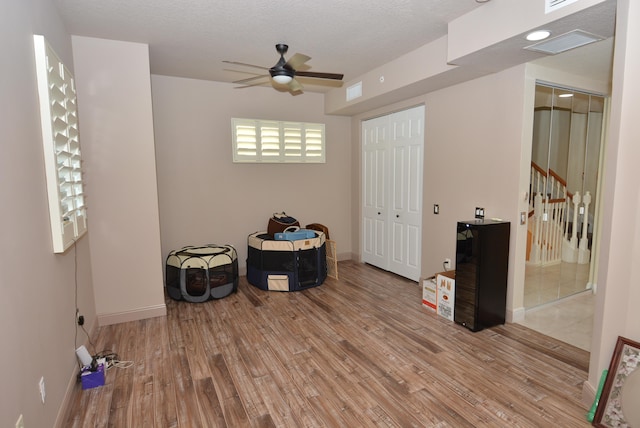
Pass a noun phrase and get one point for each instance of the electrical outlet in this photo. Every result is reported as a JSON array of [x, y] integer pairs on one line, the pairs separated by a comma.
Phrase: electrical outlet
[[447, 263], [20, 422], [43, 393], [479, 213]]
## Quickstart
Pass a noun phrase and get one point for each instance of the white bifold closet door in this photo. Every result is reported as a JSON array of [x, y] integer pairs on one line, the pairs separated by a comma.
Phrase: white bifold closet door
[[392, 165]]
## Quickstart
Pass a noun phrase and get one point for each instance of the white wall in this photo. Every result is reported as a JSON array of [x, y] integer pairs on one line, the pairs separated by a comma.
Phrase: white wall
[[116, 123], [38, 287], [206, 198]]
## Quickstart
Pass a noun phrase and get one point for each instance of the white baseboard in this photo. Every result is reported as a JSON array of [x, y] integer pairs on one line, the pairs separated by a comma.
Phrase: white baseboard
[[588, 394], [515, 315], [135, 315]]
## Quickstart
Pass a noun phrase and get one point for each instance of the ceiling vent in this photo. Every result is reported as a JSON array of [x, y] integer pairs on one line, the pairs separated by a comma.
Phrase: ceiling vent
[[354, 91], [552, 5], [565, 42]]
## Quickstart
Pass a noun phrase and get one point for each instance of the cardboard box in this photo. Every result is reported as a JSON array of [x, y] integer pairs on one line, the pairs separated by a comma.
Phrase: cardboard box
[[429, 293], [446, 294]]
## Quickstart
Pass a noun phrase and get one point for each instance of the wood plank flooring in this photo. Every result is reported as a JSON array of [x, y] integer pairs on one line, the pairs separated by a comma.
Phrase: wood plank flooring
[[358, 352]]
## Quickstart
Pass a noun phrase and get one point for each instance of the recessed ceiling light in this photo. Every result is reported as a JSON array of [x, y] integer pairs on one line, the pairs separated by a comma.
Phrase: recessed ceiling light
[[538, 35]]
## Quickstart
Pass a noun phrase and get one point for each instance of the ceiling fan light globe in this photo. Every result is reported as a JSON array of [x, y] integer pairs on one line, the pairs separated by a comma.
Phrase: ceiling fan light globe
[[282, 79]]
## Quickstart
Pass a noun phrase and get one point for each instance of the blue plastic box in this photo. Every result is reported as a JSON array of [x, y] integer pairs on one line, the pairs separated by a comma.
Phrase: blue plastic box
[[294, 236], [91, 379]]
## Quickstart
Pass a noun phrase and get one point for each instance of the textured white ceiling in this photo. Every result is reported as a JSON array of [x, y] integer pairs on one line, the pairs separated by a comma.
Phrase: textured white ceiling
[[191, 38]]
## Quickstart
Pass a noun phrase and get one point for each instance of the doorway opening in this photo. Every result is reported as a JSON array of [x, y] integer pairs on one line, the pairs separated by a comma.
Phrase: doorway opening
[[563, 202], [566, 158]]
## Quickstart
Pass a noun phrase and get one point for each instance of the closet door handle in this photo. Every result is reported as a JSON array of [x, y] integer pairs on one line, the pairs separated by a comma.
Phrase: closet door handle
[[378, 212], [397, 215]]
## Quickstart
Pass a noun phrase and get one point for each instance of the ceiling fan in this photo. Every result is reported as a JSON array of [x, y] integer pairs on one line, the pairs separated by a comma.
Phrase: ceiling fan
[[285, 71]]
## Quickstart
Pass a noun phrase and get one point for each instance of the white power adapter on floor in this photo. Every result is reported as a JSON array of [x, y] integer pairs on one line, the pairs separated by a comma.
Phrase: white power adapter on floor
[[84, 356]]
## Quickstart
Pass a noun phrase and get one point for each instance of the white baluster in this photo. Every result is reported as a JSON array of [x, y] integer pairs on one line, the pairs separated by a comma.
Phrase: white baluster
[[570, 248], [544, 240], [536, 239], [566, 214], [584, 254], [574, 228]]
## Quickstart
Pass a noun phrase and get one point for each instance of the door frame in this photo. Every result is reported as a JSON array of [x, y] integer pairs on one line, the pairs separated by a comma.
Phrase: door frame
[[410, 121]]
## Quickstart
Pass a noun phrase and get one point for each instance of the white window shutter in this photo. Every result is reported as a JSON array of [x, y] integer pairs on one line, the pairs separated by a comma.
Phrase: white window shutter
[[60, 140], [267, 141]]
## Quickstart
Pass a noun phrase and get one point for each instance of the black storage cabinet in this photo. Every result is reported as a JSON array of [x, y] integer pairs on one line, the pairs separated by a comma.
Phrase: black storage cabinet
[[482, 261]]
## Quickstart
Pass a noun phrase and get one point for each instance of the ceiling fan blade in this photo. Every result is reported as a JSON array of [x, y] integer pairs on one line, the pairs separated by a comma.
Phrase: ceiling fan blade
[[250, 79], [245, 64], [319, 75], [253, 73], [297, 60], [295, 86], [250, 85]]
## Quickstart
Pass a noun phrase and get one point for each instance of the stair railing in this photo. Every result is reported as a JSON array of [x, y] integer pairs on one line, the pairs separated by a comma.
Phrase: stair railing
[[548, 212]]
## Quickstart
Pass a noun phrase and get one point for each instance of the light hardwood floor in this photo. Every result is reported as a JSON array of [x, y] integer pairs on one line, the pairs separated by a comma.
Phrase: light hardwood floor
[[357, 352]]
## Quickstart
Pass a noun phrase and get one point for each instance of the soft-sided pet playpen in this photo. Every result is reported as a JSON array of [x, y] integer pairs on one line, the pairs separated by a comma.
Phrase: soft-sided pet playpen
[[197, 274], [286, 264]]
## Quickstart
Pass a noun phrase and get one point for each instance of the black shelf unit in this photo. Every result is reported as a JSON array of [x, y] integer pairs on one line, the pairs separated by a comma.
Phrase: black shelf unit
[[482, 261]]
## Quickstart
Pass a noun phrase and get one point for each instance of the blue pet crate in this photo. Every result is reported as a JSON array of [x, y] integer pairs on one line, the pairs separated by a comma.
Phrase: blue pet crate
[[286, 265]]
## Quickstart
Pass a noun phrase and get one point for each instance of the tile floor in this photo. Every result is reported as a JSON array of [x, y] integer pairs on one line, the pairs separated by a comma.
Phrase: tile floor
[[558, 304], [569, 319], [544, 284]]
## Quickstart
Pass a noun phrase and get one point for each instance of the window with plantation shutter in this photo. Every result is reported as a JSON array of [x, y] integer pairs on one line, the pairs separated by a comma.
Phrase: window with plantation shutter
[[268, 141], [61, 144]]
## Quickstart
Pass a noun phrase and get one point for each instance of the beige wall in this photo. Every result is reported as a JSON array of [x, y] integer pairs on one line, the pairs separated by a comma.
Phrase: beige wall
[[38, 287], [472, 158], [116, 123], [206, 198], [618, 273], [618, 294], [485, 27]]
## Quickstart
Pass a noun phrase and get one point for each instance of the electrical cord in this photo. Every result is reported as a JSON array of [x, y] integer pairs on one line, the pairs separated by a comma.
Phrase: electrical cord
[[113, 360], [75, 320], [75, 279]]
